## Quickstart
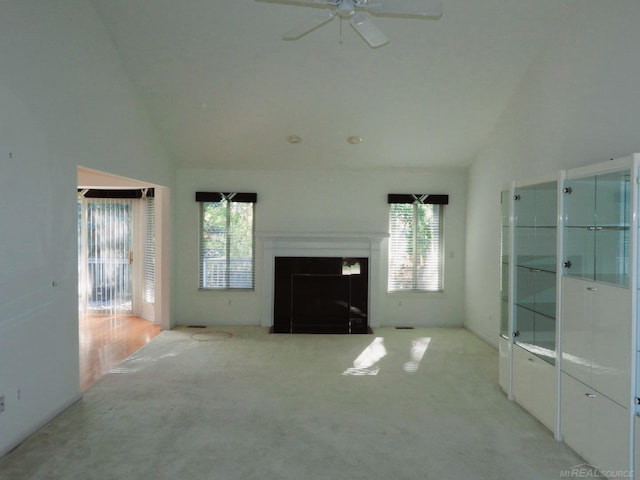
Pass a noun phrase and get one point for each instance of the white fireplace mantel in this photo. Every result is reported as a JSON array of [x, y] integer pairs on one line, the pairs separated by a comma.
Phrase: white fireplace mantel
[[320, 244]]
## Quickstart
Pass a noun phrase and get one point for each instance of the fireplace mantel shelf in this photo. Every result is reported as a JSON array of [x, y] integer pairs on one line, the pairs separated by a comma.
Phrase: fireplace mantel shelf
[[315, 236]]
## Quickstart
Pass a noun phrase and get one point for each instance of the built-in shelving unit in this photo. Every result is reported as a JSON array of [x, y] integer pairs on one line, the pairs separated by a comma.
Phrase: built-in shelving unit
[[569, 318], [598, 313], [528, 298], [505, 340]]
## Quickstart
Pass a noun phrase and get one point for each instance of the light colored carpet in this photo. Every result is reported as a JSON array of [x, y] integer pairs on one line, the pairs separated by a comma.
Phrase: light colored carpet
[[238, 403]]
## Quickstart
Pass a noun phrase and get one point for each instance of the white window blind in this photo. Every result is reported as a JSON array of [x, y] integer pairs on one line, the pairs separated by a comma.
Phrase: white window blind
[[149, 290], [226, 241], [415, 247]]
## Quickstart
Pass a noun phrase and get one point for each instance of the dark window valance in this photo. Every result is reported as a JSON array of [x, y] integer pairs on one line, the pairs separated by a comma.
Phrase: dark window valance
[[229, 196], [123, 193], [418, 197]]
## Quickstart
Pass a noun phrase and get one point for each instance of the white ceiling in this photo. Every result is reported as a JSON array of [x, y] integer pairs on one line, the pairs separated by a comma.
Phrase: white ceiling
[[224, 90]]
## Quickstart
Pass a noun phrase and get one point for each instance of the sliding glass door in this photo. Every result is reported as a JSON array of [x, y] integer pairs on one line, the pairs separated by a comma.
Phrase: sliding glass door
[[105, 255]]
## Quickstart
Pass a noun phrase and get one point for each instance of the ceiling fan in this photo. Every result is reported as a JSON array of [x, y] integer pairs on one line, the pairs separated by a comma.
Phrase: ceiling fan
[[356, 11]]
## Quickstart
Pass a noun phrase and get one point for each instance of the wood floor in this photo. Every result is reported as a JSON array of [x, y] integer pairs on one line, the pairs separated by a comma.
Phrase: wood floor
[[106, 340]]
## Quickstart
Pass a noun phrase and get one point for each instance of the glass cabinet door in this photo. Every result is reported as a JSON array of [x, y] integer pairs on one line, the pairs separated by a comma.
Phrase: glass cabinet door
[[535, 209], [525, 211], [545, 248], [504, 306], [525, 292], [579, 224], [505, 213], [525, 249], [612, 213], [579, 202], [612, 200], [596, 234], [579, 252], [545, 299], [612, 256], [524, 223], [547, 205]]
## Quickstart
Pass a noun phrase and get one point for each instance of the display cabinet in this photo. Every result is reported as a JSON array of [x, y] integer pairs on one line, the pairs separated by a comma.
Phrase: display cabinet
[[505, 339], [528, 298], [569, 331], [598, 312], [535, 226]]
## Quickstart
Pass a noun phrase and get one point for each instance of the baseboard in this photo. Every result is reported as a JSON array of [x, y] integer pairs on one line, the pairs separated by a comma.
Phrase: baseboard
[[35, 428], [491, 341]]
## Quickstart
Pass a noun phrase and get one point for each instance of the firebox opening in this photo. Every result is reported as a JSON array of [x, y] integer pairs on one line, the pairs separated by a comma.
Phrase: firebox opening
[[321, 295]]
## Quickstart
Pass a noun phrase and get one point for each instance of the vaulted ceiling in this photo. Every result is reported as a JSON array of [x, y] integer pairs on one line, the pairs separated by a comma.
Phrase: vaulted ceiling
[[225, 91]]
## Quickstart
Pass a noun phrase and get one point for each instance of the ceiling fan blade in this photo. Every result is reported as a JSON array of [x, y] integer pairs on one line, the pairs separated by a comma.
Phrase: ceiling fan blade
[[367, 30], [400, 8], [309, 26]]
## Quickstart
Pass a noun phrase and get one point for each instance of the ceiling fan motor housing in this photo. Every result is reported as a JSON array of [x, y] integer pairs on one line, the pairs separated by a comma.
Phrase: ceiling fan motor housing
[[346, 8]]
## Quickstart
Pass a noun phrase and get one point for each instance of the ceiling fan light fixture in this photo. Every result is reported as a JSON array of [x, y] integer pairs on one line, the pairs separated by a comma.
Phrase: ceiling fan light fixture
[[294, 139], [353, 140]]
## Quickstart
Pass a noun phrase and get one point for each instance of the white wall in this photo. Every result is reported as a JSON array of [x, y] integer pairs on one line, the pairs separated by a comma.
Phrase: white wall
[[64, 101], [579, 104], [319, 201]]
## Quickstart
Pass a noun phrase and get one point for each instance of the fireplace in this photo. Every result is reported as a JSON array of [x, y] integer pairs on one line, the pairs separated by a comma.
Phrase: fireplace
[[321, 295], [314, 247]]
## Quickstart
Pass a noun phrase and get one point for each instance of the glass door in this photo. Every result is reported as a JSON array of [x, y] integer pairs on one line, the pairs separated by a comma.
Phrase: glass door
[[596, 233], [505, 246], [105, 255], [535, 226]]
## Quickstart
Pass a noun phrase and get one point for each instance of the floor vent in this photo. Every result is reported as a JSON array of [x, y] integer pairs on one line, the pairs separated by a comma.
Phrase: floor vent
[[404, 328]]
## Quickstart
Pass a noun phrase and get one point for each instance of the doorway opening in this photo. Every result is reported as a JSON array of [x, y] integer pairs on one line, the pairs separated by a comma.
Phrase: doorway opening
[[120, 259]]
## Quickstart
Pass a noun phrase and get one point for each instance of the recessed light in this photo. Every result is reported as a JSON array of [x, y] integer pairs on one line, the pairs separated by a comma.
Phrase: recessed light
[[353, 140], [294, 139]]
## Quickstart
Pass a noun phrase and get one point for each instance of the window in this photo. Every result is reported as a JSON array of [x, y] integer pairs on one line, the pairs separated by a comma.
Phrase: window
[[415, 242], [149, 290], [226, 240]]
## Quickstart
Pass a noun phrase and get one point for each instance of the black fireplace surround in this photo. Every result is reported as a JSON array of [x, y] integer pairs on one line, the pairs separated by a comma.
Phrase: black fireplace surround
[[321, 295]]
